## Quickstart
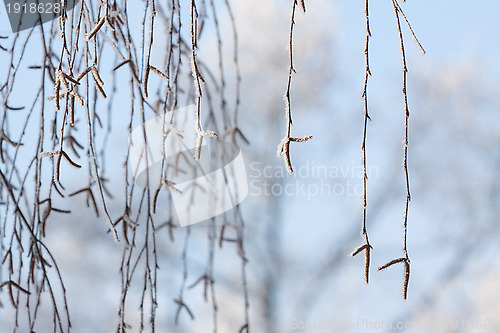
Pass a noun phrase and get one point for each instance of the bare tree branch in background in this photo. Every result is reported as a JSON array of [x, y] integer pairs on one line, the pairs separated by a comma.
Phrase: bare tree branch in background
[[86, 48]]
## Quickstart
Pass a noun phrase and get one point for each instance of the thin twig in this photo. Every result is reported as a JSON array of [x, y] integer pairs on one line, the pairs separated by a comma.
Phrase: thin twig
[[284, 145]]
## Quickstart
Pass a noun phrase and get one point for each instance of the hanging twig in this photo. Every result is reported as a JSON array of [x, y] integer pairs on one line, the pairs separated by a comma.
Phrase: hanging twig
[[284, 145], [405, 259]]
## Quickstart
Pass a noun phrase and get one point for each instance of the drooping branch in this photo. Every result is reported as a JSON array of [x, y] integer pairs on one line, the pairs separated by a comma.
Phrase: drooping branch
[[366, 247], [284, 145], [405, 259]]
